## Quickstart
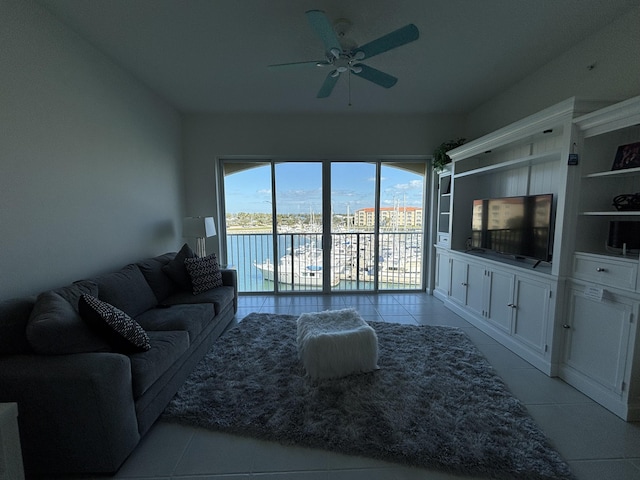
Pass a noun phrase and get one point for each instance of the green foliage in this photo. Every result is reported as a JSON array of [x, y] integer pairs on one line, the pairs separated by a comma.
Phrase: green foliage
[[440, 157]]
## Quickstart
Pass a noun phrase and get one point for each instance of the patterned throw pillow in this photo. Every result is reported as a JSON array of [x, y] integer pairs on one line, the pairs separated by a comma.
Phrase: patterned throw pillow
[[204, 272], [121, 331]]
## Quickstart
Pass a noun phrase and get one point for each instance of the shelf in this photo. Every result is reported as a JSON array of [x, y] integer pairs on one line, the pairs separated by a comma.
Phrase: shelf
[[516, 163], [613, 173], [611, 214], [629, 257]]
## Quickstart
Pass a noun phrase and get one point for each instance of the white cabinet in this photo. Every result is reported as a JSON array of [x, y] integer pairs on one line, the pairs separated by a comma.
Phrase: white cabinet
[[513, 308], [476, 289], [467, 285], [599, 348], [442, 274], [531, 312], [458, 290], [498, 310]]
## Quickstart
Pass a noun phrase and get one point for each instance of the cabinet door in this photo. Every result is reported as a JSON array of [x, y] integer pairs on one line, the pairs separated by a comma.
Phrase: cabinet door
[[458, 291], [499, 298], [596, 341], [443, 272], [475, 288], [531, 307]]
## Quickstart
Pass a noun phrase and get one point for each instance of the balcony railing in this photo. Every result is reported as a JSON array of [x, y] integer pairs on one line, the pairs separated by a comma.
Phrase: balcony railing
[[354, 264]]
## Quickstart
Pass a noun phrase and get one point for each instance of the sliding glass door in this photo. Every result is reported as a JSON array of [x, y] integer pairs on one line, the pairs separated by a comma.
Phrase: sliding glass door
[[299, 227], [353, 246], [304, 226]]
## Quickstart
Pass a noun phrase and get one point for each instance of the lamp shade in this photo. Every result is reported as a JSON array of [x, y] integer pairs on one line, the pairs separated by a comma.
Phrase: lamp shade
[[198, 227]]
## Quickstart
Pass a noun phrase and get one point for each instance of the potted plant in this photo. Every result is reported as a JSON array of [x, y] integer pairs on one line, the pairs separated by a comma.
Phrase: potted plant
[[440, 157]]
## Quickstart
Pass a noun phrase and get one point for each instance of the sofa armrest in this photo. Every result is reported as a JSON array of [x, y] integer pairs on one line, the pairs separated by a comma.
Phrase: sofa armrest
[[75, 412], [230, 278]]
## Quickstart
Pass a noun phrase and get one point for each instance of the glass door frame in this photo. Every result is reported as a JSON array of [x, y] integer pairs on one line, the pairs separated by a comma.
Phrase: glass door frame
[[326, 162]]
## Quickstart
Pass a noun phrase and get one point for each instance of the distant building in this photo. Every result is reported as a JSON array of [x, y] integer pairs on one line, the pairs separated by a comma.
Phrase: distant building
[[390, 217]]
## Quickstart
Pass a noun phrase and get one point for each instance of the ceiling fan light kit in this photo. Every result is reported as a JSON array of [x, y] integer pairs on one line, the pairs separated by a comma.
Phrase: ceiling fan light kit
[[346, 57]]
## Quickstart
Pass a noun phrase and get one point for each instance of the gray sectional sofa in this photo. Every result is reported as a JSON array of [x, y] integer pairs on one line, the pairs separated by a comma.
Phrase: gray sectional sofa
[[83, 405]]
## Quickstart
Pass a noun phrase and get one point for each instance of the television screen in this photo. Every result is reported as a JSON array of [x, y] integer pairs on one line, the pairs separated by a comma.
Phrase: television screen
[[519, 226]]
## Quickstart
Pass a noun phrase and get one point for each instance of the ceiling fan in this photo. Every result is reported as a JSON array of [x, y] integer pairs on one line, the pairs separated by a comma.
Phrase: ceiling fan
[[346, 56]]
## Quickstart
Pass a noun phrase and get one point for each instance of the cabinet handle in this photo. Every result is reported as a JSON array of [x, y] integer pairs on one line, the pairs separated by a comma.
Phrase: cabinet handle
[[566, 326], [463, 284], [600, 269], [511, 305]]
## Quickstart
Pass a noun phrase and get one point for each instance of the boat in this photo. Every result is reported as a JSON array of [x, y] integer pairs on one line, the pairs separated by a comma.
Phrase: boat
[[303, 269], [406, 272]]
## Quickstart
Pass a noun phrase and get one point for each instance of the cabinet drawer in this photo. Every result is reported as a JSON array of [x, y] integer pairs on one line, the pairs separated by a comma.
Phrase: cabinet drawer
[[443, 239], [605, 271]]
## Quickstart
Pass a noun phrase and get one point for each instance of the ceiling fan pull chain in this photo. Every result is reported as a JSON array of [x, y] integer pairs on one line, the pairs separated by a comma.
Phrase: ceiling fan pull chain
[[349, 87]]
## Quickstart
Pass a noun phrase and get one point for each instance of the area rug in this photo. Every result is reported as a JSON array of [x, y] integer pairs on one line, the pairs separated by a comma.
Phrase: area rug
[[434, 403]]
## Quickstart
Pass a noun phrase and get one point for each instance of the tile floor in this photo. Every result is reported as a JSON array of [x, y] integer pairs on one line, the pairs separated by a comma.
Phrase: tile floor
[[596, 443]]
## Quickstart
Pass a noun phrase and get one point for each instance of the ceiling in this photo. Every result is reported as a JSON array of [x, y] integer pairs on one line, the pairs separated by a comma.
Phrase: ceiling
[[212, 55]]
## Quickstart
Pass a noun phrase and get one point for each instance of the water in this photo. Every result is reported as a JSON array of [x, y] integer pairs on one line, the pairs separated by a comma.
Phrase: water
[[245, 250]]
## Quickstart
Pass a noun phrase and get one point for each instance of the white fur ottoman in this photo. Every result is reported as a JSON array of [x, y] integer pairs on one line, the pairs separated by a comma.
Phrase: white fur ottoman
[[336, 343]]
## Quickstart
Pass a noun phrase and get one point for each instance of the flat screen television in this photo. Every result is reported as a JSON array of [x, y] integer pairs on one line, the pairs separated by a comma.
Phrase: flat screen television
[[518, 226]]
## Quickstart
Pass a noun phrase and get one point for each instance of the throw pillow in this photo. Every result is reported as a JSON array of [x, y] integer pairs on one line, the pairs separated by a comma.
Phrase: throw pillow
[[120, 330], [204, 272], [176, 270]]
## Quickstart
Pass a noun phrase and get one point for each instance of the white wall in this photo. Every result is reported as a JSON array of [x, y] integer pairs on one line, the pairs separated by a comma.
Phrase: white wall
[[90, 173], [615, 51], [207, 137]]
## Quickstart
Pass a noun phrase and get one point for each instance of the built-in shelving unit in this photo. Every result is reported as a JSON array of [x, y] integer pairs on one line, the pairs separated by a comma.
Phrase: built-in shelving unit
[[512, 299], [600, 338], [576, 316]]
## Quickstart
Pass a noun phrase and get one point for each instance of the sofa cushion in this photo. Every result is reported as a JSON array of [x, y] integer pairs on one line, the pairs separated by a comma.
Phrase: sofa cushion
[[159, 281], [190, 318], [121, 331], [71, 293], [56, 328], [204, 273], [176, 270], [127, 290], [146, 367], [219, 296], [14, 317]]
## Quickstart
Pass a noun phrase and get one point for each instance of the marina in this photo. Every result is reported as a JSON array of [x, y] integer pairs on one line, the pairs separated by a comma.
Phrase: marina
[[354, 264]]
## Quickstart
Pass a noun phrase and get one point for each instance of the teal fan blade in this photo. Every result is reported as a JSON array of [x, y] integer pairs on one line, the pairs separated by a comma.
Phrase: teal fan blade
[[376, 76], [397, 38], [311, 63], [327, 86], [322, 26]]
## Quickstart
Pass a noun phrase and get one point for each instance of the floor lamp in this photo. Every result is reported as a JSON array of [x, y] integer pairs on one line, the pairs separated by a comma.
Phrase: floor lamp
[[199, 228]]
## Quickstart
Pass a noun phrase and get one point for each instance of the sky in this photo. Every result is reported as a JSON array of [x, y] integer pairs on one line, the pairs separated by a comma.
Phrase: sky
[[299, 188]]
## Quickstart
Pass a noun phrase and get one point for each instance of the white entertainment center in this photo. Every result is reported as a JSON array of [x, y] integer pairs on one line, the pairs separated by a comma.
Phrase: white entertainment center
[[575, 316]]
